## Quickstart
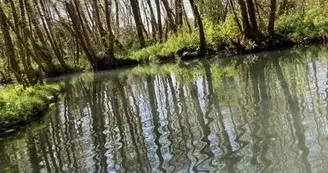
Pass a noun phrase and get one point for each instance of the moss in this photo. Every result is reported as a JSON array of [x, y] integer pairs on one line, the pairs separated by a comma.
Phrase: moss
[[18, 104]]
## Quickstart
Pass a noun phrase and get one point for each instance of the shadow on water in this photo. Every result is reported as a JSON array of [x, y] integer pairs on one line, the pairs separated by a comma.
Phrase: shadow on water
[[261, 113]]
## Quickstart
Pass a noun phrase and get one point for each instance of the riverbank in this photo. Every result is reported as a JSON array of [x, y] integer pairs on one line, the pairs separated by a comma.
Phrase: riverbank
[[227, 38], [18, 106], [154, 54]]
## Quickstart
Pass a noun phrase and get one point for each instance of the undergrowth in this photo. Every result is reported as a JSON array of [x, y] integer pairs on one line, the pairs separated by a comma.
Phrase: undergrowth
[[294, 27], [297, 26], [19, 104]]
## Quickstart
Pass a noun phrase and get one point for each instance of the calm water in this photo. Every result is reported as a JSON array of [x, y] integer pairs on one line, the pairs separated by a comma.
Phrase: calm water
[[259, 113]]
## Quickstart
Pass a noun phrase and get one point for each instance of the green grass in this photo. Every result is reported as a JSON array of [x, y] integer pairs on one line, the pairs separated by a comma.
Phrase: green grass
[[172, 44], [215, 36], [295, 27], [19, 104]]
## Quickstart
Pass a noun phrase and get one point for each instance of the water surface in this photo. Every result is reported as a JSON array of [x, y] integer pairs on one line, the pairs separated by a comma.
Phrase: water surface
[[256, 113]]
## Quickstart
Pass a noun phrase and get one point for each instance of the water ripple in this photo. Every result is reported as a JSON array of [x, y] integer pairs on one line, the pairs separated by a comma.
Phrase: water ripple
[[268, 114]]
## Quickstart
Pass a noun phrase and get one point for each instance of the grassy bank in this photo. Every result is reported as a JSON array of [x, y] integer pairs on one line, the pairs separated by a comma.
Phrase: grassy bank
[[291, 29], [19, 105]]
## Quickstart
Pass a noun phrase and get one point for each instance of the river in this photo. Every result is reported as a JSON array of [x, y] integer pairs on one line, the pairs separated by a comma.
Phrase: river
[[263, 112]]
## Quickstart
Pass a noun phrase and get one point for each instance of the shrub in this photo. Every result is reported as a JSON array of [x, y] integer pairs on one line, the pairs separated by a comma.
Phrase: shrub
[[296, 26]]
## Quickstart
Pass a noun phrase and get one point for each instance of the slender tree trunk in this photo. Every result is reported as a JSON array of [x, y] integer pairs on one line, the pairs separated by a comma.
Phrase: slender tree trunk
[[9, 47], [152, 19], [81, 31], [159, 20], [20, 23], [99, 23], [147, 26], [203, 47], [235, 15], [138, 21], [117, 15], [272, 17], [110, 48], [43, 51], [170, 18], [47, 25], [187, 19], [178, 12]]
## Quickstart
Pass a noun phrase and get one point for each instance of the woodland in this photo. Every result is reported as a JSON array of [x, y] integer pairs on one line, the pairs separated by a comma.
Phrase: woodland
[[47, 38]]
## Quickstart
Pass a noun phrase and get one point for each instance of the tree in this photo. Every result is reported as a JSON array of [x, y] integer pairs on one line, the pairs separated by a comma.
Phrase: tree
[[272, 17], [250, 28], [138, 22], [178, 12], [170, 17], [203, 47], [159, 20]]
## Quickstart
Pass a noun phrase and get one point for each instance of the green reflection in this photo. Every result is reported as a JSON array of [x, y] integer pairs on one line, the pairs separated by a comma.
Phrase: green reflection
[[264, 112]]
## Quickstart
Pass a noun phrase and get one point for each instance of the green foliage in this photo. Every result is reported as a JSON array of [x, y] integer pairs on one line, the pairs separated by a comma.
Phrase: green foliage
[[173, 44], [215, 35], [212, 32], [313, 23], [296, 26], [228, 29], [18, 104]]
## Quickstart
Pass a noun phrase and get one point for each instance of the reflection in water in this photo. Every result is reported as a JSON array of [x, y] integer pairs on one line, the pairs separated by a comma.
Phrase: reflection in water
[[264, 113]]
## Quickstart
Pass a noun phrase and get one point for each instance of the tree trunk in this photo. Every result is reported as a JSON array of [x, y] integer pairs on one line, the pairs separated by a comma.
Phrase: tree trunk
[[152, 19], [272, 17], [159, 20], [53, 42], [43, 52], [244, 15], [203, 47], [178, 12], [186, 19], [255, 33], [250, 28], [117, 15], [235, 15], [20, 24], [138, 21], [110, 48], [81, 31], [9, 47], [169, 13], [99, 23]]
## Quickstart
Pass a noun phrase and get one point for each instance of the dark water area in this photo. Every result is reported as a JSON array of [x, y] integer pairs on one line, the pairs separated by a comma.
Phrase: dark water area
[[256, 113]]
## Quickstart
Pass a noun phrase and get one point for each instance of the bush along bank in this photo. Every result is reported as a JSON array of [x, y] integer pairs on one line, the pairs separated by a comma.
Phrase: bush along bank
[[18, 106], [227, 38]]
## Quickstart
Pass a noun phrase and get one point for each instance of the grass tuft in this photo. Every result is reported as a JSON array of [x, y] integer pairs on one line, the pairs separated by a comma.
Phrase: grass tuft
[[19, 104]]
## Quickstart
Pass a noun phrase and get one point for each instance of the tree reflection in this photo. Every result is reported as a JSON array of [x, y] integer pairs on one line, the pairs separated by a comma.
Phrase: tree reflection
[[263, 114]]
